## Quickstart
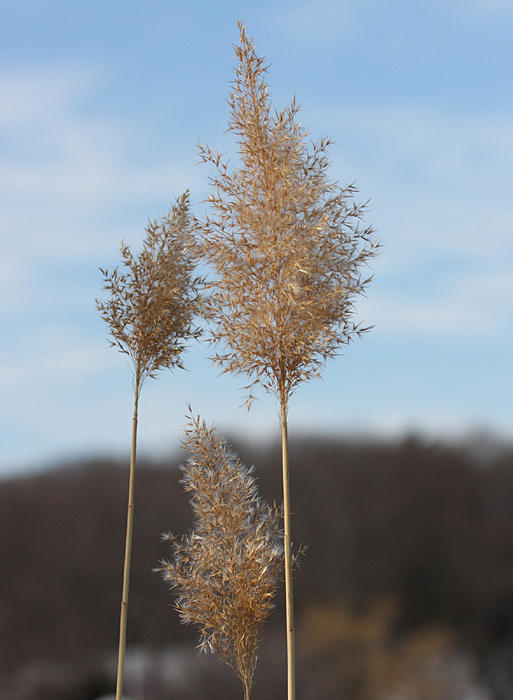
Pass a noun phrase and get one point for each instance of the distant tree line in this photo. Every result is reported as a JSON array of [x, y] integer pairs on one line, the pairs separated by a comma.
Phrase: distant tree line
[[426, 525]]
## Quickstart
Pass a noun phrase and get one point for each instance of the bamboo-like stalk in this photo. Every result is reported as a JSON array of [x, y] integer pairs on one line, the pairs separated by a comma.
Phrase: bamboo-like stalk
[[128, 548], [289, 597]]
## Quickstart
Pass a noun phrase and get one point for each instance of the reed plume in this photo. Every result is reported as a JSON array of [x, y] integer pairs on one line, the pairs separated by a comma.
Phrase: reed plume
[[286, 245], [150, 310], [226, 570]]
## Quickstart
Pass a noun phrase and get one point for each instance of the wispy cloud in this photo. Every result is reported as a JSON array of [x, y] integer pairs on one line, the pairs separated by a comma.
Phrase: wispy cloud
[[62, 158], [323, 20], [486, 7], [442, 179], [66, 167], [35, 93], [474, 305], [314, 20], [47, 355]]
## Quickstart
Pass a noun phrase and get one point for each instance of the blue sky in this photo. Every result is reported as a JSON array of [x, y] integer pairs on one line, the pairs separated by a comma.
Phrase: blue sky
[[102, 106]]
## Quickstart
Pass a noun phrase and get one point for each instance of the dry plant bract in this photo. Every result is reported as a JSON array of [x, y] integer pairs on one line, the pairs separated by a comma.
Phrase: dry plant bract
[[287, 246], [150, 311], [226, 570]]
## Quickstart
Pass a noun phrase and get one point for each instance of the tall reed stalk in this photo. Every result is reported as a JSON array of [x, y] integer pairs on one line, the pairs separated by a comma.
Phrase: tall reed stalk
[[150, 310], [289, 592], [286, 246], [227, 569], [128, 546]]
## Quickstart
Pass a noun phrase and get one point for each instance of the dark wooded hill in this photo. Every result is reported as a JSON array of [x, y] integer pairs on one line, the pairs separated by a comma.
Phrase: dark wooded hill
[[427, 526]]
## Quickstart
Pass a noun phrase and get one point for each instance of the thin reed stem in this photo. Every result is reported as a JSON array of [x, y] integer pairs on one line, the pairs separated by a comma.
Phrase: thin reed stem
[[128, 548], [289, 601]]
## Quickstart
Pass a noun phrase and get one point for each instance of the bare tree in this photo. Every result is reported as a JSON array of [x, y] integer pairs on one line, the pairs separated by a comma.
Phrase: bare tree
[[287, 246], [150, 310]]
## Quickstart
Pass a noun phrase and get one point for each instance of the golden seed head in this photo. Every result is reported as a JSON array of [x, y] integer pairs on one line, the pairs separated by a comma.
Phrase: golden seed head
[[153, 300], [227, 569], [285, 243]]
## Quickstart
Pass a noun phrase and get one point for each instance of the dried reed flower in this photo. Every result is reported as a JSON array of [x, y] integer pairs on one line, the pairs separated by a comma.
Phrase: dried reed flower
[[226, 570], [152, 305], [150, 313], [286, 245]]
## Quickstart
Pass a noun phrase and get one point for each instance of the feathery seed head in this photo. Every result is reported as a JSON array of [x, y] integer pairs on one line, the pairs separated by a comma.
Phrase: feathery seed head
[[153, 301], [226, 570], [286, 244]]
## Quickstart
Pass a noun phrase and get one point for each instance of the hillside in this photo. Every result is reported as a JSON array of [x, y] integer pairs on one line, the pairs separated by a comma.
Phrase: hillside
[[410, 554]]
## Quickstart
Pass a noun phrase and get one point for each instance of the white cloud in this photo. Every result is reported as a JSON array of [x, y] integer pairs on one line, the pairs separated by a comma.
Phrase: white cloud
[[323, 18], [66, 162], [454, 147], [50, 355], [438, 182], [473, 304], [13, 276], [32, 94], [64, 168], [486, 7]]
